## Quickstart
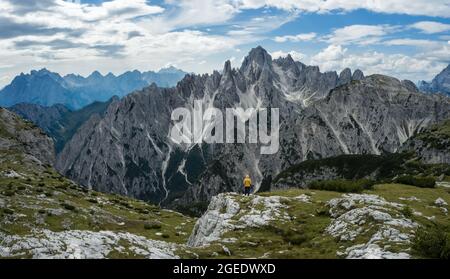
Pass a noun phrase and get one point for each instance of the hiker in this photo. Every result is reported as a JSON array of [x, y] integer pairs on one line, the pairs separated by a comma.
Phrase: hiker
[[247, 185]]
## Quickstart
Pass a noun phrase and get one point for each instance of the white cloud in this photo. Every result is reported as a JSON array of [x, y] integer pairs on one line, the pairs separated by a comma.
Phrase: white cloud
[[431, 27], [335, 57], [330, 53], [418, 7], [118, 35], [114, 36], [296, 38], [297, 56], [359, 34], [431, 50], [197, 12], [413, 42]]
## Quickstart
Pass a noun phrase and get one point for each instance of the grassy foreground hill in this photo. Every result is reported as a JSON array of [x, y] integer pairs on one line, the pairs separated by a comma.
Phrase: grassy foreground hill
[[40, 209], [303, 223], [45, 215]]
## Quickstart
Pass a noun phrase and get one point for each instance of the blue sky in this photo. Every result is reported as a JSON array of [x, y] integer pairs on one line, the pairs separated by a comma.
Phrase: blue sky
[[405, 39]]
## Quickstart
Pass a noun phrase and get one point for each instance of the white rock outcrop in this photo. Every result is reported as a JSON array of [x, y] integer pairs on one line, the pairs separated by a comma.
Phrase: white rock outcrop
[[76, 244], [360, 214], [440, 202], [225, 214]]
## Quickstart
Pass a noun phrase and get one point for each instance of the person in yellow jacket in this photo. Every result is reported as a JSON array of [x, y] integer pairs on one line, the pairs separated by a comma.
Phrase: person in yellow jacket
[[247, 185]]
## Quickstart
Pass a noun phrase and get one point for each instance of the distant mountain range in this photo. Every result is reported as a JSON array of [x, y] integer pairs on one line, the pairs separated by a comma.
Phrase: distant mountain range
[[47, 88], [440, 84]]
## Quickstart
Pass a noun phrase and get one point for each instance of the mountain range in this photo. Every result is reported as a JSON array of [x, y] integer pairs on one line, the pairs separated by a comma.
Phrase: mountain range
[[47, 88], [127, 149], [362, 171]]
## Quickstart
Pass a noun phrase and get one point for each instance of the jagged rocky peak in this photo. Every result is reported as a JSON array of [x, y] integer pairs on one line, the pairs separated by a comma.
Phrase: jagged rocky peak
[[42, 71], [258, 61], [345, 76], [259, 56], [358, 75], [285, 62], [288, 64], [95, 75], [227, 68]]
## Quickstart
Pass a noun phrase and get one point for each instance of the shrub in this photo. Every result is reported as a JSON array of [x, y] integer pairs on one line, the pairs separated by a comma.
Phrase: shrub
[[92, 201], [152, 225], [322, 212], [125, 204], [9, 193], [295, 238], [8, 211], [68, 206], [165, 235], [418, 181], [342, 185], [433, 242], [407, 211]]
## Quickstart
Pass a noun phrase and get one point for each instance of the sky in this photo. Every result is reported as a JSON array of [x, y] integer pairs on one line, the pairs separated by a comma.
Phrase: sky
[[407, 39]]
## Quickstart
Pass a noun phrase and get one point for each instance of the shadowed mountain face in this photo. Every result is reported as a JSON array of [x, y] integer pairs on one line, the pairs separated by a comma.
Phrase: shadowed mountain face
[[58, 121], [440, 84], [128, 151], [46, 88]]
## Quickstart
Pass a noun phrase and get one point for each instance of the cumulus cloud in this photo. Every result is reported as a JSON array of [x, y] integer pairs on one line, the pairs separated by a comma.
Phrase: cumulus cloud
[[336, 57], [329, 54], [297, 56]]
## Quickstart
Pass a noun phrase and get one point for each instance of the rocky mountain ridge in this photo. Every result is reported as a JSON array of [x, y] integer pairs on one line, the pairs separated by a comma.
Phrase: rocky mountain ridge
[[128, 150]]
